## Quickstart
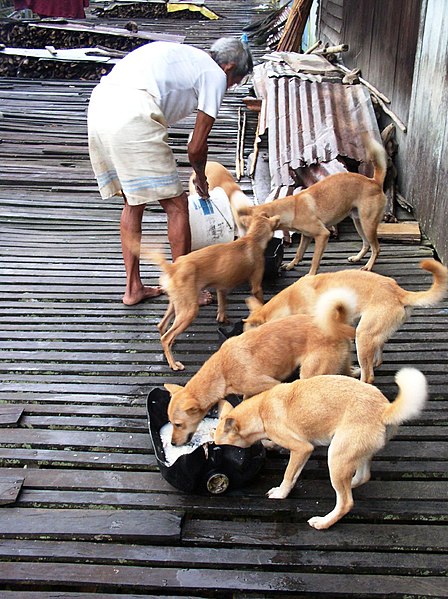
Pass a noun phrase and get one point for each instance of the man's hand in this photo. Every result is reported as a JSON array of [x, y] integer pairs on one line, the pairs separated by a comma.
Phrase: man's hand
[[201, 185]]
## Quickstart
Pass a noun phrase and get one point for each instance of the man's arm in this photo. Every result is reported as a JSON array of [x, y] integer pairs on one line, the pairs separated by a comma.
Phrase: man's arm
[[198, 149]]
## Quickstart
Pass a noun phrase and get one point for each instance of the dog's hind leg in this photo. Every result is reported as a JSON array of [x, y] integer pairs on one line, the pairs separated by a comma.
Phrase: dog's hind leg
[[372, 333], [369, 217], [300, 452], [320, 243], [370, 231], [365, 244], [256, 283], [341, 473], [303, 245], [362, 474], [365, 351], [163, 324], [221, 295], [181, 322]]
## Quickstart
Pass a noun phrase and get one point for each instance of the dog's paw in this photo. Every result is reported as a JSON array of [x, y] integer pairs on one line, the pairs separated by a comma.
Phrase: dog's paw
[[276, 493], [355, 372], [353, 259], [177, 366], [288, 266], [319, 522]]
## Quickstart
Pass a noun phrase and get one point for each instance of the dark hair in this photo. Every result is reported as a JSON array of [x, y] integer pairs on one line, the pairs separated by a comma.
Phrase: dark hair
[[229, 49]]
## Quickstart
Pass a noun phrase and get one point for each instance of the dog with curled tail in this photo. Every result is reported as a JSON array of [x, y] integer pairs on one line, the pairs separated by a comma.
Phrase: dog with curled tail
[[353, 418], [326, 203]]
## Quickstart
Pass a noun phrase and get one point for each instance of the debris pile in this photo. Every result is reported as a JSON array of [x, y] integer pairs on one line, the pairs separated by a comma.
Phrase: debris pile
[[35, 49], [19, 34], [150, 10]]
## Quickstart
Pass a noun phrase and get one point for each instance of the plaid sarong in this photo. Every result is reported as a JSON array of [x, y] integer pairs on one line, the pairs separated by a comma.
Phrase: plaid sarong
[[128, 146]]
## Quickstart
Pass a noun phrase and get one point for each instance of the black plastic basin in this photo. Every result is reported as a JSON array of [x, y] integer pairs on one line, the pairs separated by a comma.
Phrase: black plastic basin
[[221, 468], [273, 258]]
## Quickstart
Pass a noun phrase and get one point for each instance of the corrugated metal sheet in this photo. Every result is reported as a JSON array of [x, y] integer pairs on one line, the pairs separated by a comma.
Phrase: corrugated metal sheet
[[310, 122]]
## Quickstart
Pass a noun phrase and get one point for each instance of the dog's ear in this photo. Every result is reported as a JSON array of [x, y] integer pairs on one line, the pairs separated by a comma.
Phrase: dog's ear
[[190, 406], [172, 388], [230, 424], [253, 304], [275, 220]]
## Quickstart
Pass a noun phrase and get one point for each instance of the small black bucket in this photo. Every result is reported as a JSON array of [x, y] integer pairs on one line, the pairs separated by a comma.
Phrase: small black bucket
[[224, 332], [273, 258], [213, 469]]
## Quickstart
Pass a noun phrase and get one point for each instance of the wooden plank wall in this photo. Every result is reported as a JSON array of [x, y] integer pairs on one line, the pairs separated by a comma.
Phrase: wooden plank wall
[[382, 38], [426, 166], [400, 47], [89, 515]]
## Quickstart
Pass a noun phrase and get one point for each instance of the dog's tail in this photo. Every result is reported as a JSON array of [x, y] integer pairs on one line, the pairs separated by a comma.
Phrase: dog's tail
[[245, 209], [411, 398], [155, 257], [335, 311], [435, 293], [377, 155], [239, 202]]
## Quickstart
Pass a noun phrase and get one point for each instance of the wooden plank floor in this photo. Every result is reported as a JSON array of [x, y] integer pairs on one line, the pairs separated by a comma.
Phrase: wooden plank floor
[[85, 512]]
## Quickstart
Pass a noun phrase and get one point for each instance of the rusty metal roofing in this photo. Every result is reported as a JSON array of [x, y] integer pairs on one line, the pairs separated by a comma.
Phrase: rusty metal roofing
[[309, 122]]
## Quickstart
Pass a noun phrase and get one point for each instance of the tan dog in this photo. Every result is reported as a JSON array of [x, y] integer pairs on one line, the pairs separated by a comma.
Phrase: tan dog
[[222, 266], [353, 418], [218, 176], [382, 304], [327, 203], [261, 358]]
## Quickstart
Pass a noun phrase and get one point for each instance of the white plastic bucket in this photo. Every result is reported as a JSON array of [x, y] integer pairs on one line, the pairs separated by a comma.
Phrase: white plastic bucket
[[211, 220]]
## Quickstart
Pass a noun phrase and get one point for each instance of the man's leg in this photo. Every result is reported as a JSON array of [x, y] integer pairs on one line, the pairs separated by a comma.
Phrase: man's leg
[[179, 234], [131, 235]]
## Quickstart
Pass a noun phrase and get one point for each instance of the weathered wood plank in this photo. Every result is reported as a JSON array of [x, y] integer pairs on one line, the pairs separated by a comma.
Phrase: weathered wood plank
[[150, 579], [381, 511], [360, 562], [10, 487], [10, 415], [105, 480], [120, 525], [360, 536], [69, 438], [87, 459]]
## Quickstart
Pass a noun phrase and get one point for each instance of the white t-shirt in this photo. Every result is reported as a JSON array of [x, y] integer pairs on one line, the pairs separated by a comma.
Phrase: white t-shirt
[[181, 78]]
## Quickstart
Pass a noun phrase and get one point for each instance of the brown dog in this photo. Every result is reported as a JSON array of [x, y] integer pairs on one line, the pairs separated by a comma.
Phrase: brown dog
[[222, 266], [382, 304], [261, 358], [353, 418], [327, 203], [218, 176]]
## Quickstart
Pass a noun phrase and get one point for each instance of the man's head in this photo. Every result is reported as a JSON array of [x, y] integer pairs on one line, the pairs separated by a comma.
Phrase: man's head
[[234, 57]]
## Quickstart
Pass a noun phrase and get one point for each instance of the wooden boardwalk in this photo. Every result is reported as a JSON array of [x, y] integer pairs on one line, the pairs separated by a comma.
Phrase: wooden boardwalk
[[85, 511]]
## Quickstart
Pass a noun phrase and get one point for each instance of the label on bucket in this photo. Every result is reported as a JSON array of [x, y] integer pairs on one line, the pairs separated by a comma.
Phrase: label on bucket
[[211, 219]]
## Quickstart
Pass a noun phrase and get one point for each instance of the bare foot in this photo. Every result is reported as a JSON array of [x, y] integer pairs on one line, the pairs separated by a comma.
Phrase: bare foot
[[205, 298], [144, 294]]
